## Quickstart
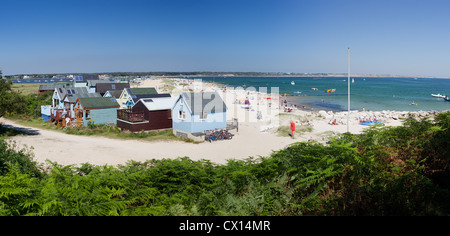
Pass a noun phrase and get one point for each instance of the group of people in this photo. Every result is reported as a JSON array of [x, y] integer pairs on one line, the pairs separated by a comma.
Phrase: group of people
[[334, 122]]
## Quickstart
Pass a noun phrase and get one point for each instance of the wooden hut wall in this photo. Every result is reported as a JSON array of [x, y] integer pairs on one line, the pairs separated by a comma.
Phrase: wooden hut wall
[[160, 119], [133, 127]]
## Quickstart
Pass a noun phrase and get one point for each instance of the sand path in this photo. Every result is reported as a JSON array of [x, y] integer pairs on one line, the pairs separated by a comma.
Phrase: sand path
[[75, 149]]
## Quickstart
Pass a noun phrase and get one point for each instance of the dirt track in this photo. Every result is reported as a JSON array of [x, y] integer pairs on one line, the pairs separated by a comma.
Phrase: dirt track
[[75, 149]]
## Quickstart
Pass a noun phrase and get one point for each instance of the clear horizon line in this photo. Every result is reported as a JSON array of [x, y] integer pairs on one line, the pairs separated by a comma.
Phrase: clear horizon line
[[231, 72]]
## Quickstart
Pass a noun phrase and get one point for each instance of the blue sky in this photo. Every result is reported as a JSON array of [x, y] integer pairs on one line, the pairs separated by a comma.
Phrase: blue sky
[[307, 36]]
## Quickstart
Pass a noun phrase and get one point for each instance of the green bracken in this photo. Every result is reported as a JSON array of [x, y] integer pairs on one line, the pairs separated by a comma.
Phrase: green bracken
[[383, 171]]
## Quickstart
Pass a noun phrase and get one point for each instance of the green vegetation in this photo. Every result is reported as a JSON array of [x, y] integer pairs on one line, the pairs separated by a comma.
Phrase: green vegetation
[[168, 85], [284, 130], [14, 98], [99, 130], [384, 171], [114, 132], [26, 89], [10, 101]]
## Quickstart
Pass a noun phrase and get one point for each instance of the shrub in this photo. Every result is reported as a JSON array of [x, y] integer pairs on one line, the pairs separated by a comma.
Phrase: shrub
[[384, 171]]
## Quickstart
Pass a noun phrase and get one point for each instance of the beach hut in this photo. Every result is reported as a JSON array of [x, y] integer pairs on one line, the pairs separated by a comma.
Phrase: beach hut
[[81, 80], [147, 114], [113, 94], [45, 112], [195, 113], [99, 110], [70, 99], [60, 110], [130, 96], [49, 87], [60, 92], [92, 84], [102, 88]]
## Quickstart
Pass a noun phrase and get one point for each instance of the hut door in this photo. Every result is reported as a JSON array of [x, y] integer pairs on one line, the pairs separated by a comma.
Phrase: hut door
[[78, 116]]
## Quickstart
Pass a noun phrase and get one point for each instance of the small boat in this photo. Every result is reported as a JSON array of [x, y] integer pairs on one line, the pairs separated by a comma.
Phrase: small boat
[[353, 80], [447, 99], [292, 82], [438, 95]]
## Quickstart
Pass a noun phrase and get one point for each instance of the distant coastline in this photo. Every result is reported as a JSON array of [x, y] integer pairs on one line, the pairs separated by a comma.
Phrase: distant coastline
[[217, 74], [318, 75], [262, 74]]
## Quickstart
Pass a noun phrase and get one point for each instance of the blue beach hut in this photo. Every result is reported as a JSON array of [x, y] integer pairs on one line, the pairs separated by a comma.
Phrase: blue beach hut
[[194, 113]]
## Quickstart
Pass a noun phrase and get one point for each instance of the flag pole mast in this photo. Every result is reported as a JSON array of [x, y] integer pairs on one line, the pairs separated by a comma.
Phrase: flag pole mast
[[348, 80]]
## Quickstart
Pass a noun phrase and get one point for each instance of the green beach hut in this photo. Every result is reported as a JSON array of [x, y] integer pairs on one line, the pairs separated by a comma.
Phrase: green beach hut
[[99, 110]]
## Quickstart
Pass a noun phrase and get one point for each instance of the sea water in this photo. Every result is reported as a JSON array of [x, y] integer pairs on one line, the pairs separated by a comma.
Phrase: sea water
[[370, 93]]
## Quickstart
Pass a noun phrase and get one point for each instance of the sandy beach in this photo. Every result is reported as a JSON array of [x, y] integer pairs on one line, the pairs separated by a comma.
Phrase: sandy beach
[[255, 137]]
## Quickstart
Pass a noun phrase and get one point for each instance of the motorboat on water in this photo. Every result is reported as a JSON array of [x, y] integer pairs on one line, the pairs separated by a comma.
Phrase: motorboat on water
[[447, 99], [438, 95], [292, 82]]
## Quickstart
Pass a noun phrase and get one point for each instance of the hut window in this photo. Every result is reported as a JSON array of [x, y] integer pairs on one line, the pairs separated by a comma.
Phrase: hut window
[[203, 115], [181, 115], [88, 114]]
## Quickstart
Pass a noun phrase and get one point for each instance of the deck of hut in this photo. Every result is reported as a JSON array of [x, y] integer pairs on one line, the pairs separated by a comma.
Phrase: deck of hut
[[130, 116], [133, 121], [60, 116]]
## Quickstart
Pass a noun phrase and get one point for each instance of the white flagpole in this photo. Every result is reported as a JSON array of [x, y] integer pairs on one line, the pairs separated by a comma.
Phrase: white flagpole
[[348, 80]]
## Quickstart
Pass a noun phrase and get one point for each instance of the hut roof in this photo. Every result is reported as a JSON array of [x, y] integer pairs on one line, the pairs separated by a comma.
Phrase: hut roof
[[45, 87], [73, 97], [155, 104], [141, 91], [114, 93], [98, 102], [93, 83], [136, 98], [204, 102], [86, 77], [62, 91], [103, 87]]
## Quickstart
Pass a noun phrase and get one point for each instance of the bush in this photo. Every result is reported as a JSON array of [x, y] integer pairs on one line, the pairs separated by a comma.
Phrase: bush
[[384, 171], [11, 156]]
